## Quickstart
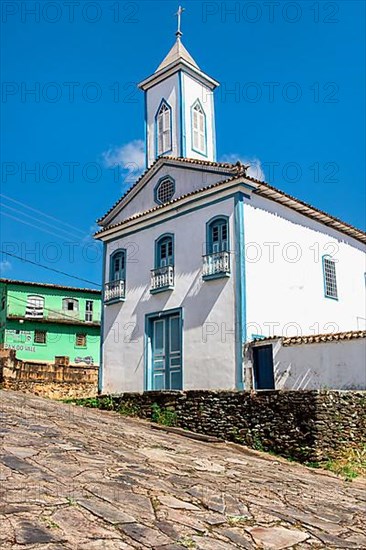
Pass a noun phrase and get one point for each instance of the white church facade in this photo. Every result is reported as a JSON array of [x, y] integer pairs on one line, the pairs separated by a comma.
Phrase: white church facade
[[200, 258]]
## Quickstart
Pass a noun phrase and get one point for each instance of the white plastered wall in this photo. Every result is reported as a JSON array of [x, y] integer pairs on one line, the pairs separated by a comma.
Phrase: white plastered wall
[[208, 308], [284, 274], [338, 365]]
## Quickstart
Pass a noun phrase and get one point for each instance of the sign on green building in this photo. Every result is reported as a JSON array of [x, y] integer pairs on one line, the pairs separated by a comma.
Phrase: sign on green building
[[42, 321]]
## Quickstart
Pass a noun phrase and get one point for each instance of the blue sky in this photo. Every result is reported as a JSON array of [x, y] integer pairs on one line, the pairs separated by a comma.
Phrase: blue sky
[[297, 76]]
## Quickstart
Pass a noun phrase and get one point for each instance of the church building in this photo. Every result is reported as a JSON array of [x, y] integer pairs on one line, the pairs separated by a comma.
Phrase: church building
[[200, 258]]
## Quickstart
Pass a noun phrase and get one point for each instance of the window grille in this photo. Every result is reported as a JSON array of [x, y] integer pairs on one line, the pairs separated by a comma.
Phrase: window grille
[[330, 278], [165, 191]]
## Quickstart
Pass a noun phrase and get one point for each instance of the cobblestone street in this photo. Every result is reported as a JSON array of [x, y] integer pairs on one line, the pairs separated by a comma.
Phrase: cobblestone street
[[79, 478]]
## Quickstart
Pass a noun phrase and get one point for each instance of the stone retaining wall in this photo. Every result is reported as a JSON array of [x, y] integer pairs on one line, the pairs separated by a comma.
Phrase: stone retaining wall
[[57, 381], [306, 425]]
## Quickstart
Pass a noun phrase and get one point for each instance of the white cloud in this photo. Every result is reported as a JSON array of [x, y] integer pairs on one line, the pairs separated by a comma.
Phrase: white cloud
[[130, 157], [5, 266], [255, 170]]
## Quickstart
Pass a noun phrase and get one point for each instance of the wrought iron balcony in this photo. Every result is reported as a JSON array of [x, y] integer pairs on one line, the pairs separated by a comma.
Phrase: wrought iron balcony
[[216, 265], [162, 278], [115, 291]]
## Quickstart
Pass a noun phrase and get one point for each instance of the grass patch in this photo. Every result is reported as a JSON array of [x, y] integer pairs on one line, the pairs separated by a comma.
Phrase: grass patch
[[349, 464], [166, 417]]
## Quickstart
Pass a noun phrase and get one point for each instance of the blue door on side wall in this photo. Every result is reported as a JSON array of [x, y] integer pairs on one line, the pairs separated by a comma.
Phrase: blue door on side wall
[[166, 352], [263, 368]]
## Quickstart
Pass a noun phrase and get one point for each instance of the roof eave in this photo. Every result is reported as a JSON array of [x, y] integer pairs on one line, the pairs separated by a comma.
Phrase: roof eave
[[172, 68]]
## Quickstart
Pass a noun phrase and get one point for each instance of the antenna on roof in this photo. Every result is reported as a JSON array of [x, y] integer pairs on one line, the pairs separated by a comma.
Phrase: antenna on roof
[[179, 33]]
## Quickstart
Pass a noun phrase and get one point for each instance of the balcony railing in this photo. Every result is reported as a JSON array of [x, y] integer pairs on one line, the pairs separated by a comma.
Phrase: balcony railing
[[114, 291], [216, 264], [162, 278]]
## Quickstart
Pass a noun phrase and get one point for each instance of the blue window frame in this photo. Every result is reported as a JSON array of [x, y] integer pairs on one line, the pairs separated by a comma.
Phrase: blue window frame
[[217, 235], [117, 270], [164, 250], [330, 278], [163, 125], [198, 128]]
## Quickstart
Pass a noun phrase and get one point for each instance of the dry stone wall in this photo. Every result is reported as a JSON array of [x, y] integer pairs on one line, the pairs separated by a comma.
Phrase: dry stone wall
[[306, 425]]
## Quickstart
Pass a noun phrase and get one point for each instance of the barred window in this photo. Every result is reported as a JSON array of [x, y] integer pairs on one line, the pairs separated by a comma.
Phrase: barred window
[[80, 340], [40, 337], [330, 278], [165, 191]]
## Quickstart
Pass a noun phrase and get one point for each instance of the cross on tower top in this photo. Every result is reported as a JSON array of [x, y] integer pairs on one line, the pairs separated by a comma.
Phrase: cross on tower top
[[179, 15]]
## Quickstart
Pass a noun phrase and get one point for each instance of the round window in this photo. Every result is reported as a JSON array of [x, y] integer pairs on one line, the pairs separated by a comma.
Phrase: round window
[[165, 191]]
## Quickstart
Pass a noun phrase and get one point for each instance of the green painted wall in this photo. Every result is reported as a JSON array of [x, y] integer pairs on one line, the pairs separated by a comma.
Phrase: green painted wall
[[17, 331]]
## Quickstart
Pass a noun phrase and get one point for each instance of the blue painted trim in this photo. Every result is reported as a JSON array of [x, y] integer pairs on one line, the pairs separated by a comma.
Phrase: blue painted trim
[[182, 121], [146, 132], [111, 258], [177, 215], [160, 180], [240, 299], [336, 298], [157, 251], [208, 231], [147, 343], [202, 153], [101, 349], [157, 154]]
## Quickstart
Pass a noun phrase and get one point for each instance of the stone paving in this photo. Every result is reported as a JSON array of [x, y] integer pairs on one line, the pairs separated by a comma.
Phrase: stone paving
[[75, 478]]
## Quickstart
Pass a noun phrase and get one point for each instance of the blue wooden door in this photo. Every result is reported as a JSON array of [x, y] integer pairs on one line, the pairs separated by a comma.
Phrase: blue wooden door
[[166, 346], [263, 368]]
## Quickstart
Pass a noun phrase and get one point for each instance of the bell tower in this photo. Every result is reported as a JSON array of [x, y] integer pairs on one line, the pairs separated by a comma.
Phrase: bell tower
[[179, 107]]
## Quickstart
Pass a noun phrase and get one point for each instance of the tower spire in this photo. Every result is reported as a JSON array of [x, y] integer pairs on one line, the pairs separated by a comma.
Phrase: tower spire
[[179, 33]]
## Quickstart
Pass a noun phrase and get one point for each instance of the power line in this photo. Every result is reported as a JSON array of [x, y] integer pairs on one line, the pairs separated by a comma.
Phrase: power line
[[33, 218], [64, 315], [50, 268], [42, 213]]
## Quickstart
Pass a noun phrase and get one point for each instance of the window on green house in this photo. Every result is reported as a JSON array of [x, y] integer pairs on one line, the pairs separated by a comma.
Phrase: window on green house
[[80, 340], [70, 304], [40, 337], [35, 305], [89, 310]]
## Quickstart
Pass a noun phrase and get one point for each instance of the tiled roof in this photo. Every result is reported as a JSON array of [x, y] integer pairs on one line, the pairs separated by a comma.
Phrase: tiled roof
[[162, 206], [161, 160], [49, 285], [263, 189], [315, 338]]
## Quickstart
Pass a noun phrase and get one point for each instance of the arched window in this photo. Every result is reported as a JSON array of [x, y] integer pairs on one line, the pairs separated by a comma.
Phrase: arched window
[[217, 235], [164, 252], [70, 304], [198, 128], [35, 306], [117, 270], [164, 128]]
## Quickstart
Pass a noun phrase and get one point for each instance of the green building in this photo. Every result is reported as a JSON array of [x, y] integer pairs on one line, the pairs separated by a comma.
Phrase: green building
[[41, 321]]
